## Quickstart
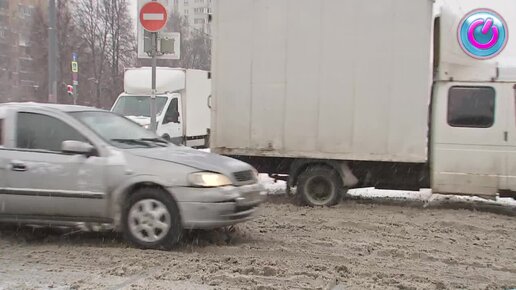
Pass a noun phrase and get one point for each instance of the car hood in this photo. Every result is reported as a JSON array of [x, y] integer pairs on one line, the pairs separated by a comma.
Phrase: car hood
[[203, 161]]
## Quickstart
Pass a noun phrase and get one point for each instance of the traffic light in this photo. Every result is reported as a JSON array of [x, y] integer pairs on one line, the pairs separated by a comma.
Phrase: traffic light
[[69, 90]]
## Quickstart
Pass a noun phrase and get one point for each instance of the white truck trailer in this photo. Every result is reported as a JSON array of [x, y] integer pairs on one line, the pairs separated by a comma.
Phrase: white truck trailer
[[342, 94], [183, 113]]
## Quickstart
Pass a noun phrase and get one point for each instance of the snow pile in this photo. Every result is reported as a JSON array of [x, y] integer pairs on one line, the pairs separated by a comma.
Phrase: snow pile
[[424, 195], [278, 187]]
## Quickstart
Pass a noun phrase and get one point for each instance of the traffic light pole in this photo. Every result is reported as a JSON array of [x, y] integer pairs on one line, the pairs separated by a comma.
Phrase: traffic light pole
[[75, 77], [52, 52], [74, 94]]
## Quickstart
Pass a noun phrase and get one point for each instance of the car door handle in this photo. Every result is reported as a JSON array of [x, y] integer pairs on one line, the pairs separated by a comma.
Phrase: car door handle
[[18, 166]]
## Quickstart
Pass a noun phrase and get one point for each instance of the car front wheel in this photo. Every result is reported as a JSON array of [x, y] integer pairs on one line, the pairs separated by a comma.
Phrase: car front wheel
[[152, 220]]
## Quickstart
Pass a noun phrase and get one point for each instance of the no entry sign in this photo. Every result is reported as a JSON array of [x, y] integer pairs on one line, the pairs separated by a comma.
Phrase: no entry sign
[[153, 16]]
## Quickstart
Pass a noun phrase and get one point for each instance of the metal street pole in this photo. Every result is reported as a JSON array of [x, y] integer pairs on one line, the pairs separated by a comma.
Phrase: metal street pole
[[153, 17], [74, 94], [52, 52], [153, 88], [75, 77]]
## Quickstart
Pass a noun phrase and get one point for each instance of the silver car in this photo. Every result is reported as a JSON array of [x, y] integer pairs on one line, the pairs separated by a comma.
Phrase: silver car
[[72, 165]]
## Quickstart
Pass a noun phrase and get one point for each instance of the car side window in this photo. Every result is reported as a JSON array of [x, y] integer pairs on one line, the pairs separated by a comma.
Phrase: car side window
[[172, 114], [42, 132]]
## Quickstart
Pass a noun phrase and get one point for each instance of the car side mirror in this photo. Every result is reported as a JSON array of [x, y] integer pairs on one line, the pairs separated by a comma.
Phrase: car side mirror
[[77, 147]]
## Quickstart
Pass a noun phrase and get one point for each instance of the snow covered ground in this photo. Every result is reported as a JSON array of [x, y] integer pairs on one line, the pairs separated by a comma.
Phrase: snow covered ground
[[354, 244]]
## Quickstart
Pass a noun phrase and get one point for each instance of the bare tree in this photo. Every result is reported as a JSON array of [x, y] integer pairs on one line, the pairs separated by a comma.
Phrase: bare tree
[[67, 42], [106, 31], [94, 32], [195, 46], [121, 39], [6, 40], [198, 54]]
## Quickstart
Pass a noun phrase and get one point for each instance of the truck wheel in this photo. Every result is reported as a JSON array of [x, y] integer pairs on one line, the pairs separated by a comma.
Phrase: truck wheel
[[166, 137], [151, 220], [319, 186]]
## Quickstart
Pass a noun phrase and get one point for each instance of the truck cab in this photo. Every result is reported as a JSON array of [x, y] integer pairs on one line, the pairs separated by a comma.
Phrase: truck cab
[[137, 109], [474, 138], [473, 113], [182, 115]]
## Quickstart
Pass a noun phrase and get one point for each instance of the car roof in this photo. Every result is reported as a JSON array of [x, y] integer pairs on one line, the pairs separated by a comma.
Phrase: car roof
[[50, 107]]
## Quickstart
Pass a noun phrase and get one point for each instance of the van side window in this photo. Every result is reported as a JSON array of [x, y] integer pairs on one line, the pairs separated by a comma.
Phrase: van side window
[[172, 114], [471, 107], [41, 132]]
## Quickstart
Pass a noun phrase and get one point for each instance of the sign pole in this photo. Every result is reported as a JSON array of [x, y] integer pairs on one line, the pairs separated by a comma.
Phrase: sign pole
[[153, 18], [75, 80], [74, 94], [153, 87]]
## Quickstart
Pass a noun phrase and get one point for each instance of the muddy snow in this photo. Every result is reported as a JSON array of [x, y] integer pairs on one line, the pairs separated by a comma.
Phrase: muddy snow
[[355, 245]]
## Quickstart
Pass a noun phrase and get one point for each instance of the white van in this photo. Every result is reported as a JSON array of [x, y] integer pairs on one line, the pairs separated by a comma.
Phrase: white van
[[183, 113]]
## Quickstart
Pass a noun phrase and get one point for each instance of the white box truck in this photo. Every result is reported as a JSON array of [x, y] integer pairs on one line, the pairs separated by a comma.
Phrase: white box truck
[[333, 94], [183, 113]]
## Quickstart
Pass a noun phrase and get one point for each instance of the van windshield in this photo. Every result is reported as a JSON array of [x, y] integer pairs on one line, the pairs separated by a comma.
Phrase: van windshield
[[138, 106], [119, 131]]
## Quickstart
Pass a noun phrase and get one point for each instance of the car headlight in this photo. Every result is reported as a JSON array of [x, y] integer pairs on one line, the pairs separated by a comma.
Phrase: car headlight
[[146, 126], [208, 179]]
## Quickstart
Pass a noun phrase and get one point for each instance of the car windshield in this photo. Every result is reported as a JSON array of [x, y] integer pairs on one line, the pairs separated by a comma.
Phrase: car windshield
[[118, 130], [138, 106]]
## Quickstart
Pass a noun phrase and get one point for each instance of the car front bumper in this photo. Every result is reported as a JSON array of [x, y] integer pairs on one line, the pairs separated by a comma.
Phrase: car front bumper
[[208, 208]]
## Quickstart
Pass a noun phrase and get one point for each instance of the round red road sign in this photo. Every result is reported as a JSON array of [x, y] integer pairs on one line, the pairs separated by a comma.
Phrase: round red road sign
[[153, 16]]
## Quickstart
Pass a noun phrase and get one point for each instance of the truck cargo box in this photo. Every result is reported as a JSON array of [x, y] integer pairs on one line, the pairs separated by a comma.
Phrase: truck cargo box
[[330, 79]]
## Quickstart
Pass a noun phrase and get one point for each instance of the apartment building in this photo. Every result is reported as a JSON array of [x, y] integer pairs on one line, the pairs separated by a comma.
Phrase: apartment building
[[16, 78], [196, 12]]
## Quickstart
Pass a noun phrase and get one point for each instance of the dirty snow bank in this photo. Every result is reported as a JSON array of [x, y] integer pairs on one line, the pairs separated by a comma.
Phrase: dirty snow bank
[[424, 195]]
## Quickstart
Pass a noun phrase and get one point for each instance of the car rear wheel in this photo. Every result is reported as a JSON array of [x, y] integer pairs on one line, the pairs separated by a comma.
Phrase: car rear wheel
[[152, 220]]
